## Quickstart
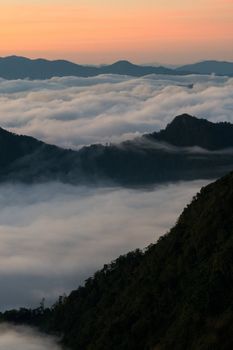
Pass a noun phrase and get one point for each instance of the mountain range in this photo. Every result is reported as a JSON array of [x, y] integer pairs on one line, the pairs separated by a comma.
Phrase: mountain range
[[15, 67], [188, 148], [174, 295]]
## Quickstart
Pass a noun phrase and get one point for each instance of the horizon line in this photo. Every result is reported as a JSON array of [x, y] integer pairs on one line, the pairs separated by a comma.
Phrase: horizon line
[[151, 63]]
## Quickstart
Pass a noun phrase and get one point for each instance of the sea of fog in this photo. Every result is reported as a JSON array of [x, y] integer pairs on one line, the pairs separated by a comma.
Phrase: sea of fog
[[73, 111]]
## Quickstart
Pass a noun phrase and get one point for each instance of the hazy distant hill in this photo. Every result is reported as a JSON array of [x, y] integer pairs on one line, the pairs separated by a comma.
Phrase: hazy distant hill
[[127, 68], [189, 148], [208, 67], [14, 67], [176, 295]]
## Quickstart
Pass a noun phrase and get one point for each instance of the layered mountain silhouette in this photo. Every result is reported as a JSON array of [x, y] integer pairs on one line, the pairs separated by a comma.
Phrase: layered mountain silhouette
[[188, 148], [15, 67], [175, 295]]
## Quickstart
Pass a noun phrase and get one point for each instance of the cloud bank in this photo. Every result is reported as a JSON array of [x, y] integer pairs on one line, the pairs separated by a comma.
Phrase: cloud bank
[[54, 236], [23, 338], [72, 111]]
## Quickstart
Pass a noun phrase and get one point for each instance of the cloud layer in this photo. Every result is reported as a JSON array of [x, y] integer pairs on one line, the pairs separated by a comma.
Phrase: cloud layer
[[73, 111], [23, 338], [54, 236]]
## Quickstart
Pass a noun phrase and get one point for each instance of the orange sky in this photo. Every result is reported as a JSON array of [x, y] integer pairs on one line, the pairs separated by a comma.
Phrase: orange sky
[[95, 31]]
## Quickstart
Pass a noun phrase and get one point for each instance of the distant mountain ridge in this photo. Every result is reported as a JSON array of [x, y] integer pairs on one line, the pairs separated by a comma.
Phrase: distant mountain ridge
[[188, 148], [15, 67], [208, 67]]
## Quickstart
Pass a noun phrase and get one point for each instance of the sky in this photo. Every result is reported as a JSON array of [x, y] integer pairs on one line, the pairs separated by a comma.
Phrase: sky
[[102, 31]]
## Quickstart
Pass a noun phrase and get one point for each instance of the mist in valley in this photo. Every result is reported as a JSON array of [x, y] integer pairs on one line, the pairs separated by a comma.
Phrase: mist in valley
[[24, 338], [54, 236]]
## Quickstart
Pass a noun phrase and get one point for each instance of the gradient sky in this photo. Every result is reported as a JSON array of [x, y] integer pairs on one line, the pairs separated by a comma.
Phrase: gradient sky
[[98, 31]]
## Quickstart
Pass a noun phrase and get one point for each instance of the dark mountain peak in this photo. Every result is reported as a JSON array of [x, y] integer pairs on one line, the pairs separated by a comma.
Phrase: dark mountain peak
[[184, 119], [187, 123], [188, 131]]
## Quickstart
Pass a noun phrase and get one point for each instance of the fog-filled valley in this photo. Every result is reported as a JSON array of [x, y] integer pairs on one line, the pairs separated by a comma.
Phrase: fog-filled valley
[[54, 236]]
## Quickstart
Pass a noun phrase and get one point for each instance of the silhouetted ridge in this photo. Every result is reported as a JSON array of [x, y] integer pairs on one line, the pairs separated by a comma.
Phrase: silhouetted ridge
[[176, 295], [187, 131], [14, 67], [146, 160]]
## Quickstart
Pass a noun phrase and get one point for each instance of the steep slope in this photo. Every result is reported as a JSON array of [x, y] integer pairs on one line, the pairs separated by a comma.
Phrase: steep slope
[[208, 67], [159, 157], [177, 294]]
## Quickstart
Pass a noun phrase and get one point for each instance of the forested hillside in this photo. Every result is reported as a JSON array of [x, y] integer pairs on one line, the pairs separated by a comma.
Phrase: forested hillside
[[177, 294]]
